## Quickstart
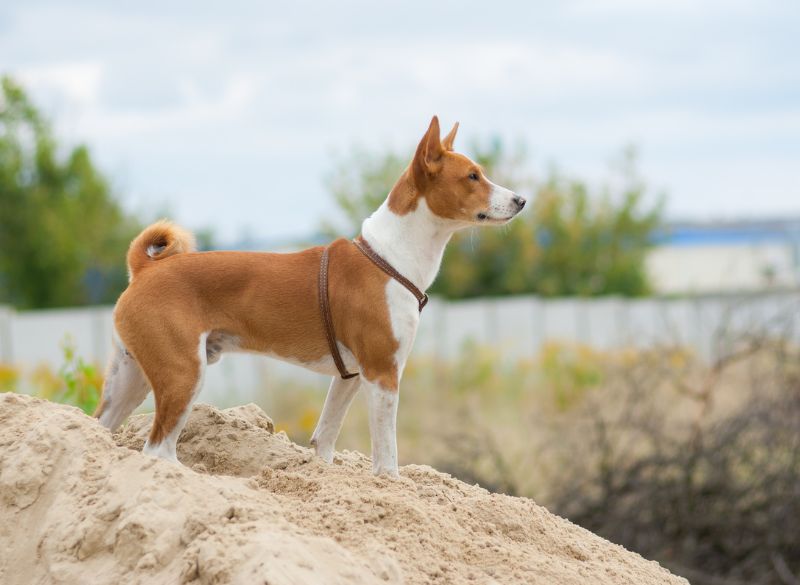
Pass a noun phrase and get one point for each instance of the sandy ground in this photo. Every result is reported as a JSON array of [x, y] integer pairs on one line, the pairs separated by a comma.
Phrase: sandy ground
[[78, 505]]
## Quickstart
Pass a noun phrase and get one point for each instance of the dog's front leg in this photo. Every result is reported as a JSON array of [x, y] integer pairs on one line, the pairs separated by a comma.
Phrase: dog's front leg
[[382, 406], [340, 395]]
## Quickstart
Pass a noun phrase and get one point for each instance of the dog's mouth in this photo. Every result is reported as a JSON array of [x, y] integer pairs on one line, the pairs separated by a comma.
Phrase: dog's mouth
[[486, 218]]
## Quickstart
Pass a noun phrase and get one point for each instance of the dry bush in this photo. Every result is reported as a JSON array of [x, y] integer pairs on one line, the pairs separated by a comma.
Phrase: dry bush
[[708, 484]]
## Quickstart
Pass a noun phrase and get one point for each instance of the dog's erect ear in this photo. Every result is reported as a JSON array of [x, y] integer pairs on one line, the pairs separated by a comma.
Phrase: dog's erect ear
[[447, 143], [428, 158]]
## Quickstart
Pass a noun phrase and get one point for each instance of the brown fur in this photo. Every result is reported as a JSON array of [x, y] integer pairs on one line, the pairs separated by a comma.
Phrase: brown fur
[[270, 301], [442, 177], [166, 237]]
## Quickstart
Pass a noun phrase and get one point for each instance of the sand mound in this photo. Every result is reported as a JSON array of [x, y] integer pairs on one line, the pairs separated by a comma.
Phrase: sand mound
[[80, 506]]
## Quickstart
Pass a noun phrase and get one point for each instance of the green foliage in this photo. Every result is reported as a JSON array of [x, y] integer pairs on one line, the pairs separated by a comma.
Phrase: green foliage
[[9, 377], [573, 240], [62, 233], [80, 383], [205, 238], [76, 383], [570, 371], [359, 185]]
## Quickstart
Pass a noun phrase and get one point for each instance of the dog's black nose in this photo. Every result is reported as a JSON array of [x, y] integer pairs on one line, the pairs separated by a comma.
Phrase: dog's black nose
[[520, 201]]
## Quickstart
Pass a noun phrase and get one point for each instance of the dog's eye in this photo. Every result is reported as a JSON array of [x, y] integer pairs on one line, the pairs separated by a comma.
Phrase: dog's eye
[[473, 176]]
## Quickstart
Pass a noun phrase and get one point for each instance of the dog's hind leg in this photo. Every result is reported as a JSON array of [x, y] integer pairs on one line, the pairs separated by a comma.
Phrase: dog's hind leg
[[340, 395], [175, 387], [124, 388]]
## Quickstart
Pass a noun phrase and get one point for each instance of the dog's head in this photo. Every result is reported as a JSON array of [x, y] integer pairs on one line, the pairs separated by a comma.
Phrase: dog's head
[[454, 187]]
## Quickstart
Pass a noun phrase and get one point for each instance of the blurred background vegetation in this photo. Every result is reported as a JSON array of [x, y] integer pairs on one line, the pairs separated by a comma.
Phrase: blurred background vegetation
[[693, 463], [574, 241], [63, 231]]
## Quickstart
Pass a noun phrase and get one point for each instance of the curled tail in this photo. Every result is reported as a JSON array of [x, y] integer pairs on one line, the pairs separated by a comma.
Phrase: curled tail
[[157, 241]]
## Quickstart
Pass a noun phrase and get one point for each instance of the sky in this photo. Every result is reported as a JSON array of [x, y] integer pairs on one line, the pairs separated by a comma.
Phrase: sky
[[231, 115]]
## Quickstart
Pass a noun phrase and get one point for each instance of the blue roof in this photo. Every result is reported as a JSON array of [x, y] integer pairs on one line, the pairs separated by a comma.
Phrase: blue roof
[[729, 233]]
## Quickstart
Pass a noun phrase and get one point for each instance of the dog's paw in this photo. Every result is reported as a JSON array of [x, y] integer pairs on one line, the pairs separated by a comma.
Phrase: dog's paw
[[385, 471], [324, 452]]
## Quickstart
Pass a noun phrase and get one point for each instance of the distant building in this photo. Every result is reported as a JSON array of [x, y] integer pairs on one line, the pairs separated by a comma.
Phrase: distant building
[[726, 256]]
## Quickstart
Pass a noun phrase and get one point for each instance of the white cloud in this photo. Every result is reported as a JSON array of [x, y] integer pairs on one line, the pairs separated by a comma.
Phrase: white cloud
[[658, 7], [196, 109], [193, 105], [78, 82]]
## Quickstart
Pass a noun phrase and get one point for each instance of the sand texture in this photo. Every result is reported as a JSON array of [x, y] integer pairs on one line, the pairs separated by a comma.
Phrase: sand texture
[[80, 506]]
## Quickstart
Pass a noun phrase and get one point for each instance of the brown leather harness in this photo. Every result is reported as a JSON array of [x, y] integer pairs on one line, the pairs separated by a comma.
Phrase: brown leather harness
[[324, 302]]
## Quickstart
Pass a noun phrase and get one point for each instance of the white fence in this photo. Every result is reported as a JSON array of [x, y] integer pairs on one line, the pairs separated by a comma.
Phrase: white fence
[[516, 326]]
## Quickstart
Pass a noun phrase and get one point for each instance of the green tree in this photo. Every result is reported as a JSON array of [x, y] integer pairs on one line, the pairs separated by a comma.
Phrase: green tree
[[573, 241], [359, 184], [63, 235]]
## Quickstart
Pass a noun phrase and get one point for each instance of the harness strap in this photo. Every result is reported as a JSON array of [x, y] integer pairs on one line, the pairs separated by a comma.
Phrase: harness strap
[[324, 301], [366, 249], [325, 308]]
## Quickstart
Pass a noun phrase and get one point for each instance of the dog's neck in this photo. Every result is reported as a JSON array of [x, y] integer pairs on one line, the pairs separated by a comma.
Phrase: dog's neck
[[412, 242]]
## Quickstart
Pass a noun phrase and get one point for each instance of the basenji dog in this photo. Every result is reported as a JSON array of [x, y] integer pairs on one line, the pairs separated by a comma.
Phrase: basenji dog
[[183, 309]]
